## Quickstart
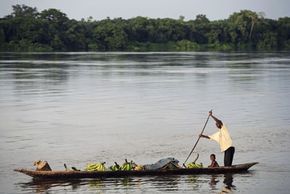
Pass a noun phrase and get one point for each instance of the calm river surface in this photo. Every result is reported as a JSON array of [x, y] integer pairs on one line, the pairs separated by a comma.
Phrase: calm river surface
[[76, 108]]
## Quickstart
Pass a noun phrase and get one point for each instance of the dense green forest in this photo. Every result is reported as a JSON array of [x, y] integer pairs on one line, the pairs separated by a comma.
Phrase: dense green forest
[[26, 29]]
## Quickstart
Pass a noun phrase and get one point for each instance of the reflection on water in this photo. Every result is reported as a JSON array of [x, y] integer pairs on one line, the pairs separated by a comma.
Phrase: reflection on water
[[213, 182], [42, 186], [228, 181], [134, 184]]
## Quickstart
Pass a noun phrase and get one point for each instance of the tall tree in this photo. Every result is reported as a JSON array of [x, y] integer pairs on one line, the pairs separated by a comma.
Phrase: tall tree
[[24, 11]]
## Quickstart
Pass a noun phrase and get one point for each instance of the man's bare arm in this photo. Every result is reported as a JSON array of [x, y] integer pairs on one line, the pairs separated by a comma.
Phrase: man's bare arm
[[216, 119], [204, 136]]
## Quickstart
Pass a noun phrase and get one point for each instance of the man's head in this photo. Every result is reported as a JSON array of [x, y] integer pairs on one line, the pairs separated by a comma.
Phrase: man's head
[[212, 157]]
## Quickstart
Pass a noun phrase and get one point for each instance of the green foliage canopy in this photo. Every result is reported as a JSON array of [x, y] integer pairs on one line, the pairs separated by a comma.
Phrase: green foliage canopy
[[26, 29]]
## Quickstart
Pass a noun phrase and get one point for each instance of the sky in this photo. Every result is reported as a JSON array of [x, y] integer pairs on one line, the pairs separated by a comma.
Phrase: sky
[[100, 9]]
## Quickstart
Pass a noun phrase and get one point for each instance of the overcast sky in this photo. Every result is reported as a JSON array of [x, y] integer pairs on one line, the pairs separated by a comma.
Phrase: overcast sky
[[100, 9]]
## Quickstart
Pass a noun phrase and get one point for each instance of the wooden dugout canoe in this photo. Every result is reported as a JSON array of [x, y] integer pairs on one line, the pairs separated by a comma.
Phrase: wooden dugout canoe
[[239, 168]]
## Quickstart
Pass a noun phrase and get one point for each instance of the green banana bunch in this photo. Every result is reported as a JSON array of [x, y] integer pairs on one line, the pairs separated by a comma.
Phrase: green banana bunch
[[194, 165], [127, 165], [115, 167], [96, 167]]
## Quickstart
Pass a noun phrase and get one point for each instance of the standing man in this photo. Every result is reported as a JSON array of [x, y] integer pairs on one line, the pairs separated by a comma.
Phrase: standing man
[[224, 139]]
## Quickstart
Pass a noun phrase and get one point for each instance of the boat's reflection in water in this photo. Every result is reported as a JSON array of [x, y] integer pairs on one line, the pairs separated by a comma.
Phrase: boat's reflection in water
[[187, 183]]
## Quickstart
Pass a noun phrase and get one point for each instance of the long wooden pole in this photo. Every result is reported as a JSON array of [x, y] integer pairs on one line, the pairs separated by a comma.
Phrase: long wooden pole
[[197, 140]]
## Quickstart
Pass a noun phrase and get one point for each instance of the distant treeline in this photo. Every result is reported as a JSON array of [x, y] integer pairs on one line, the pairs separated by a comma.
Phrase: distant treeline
[[26, 29]]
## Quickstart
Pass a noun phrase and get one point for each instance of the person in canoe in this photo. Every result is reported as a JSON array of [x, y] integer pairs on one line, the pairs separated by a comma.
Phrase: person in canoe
[[213, 161], [223, 138]]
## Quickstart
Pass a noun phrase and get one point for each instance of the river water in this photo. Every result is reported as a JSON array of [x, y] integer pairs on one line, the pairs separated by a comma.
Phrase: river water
[[76, 108]]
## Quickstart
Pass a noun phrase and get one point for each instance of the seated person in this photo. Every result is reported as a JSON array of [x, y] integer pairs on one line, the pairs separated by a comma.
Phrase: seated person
[[213, 162]]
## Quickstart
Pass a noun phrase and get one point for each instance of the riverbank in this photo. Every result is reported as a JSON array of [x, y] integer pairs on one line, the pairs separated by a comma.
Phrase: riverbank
[[180, 46]]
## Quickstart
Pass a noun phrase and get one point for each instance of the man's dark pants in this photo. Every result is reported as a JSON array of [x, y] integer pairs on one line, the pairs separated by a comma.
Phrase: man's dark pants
[[229, 155]]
